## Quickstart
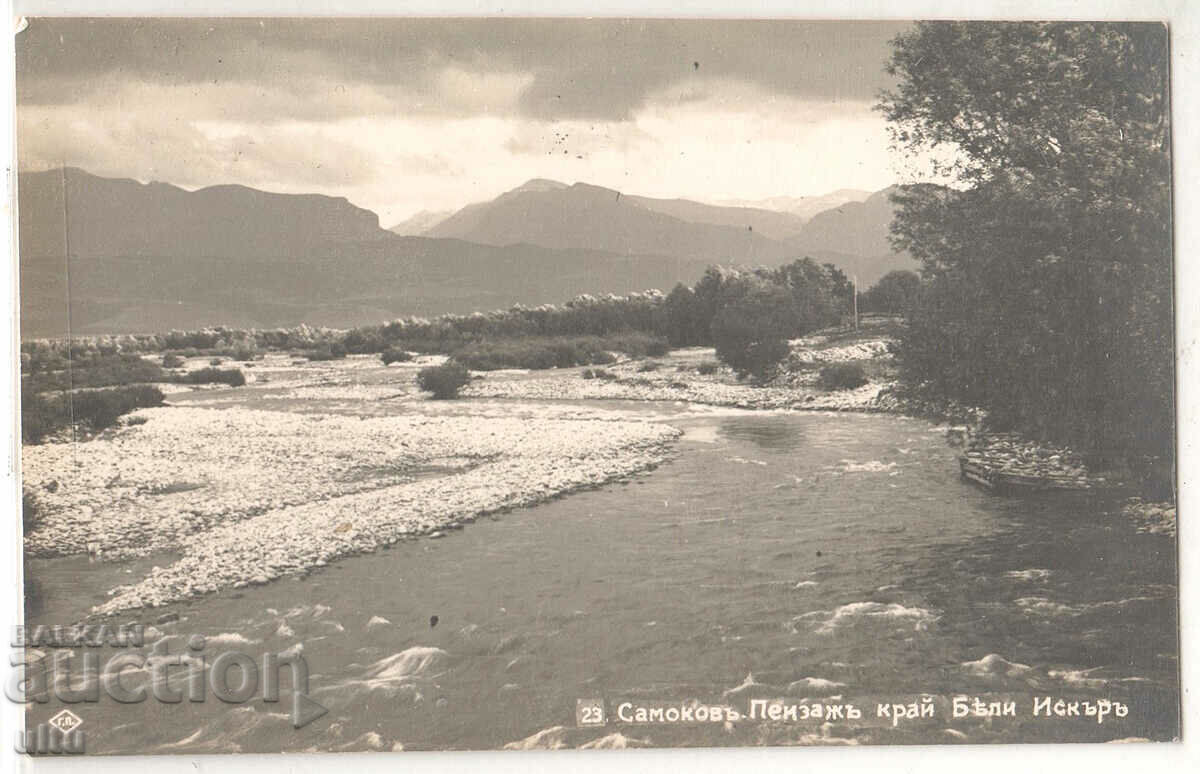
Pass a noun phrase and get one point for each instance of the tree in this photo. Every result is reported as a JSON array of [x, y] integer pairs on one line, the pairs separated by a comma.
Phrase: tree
[[684, 326], [1048, 297], [895, 293], [841, 287], [820, 294], [751, 332]]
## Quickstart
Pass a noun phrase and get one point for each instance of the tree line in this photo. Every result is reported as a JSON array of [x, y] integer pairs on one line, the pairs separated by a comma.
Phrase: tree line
[[747, 313]]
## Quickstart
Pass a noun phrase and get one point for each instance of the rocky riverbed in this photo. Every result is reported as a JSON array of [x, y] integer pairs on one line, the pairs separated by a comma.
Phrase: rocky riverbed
[[1011, 455], [1152, 518], [246, 496], [694, 376]]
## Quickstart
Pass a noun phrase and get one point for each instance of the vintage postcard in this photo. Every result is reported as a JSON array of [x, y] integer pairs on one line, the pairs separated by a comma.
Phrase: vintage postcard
[[415, 384]]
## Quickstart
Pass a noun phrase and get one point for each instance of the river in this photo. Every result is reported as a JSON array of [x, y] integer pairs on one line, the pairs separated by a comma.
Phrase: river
[[835, 558]]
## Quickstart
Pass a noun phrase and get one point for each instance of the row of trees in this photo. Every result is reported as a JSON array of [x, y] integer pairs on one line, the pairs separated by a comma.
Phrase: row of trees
[[585, 315], [1046, 293], [748, 314]]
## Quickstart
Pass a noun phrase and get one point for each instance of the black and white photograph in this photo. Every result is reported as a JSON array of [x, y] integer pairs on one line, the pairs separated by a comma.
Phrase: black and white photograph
[[478, 384]]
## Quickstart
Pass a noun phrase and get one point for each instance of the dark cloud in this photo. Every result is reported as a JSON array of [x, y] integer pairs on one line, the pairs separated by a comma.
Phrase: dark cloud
[[589, 69]]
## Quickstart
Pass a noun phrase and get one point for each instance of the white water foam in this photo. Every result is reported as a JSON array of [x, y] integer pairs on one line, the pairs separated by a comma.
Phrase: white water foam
[[871, 466], [814, 686], [995, 665], [866, 613], [1029, 575]]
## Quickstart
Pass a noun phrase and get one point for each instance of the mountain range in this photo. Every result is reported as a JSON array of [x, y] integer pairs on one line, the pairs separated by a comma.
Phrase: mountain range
[[151, 257], [802, 206]]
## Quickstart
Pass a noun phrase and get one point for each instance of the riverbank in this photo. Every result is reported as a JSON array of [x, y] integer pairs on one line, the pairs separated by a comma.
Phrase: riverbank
[[694, 375], [247, 496]]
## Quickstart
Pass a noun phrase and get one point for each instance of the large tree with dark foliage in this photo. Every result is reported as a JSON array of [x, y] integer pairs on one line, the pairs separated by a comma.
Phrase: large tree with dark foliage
[[1047, 294], [751, 331], [895, 293]]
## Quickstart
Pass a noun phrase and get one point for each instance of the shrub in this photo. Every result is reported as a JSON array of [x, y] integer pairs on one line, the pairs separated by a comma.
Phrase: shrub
[[390, 356], [231, 376], [171, 360], [539, 352], [708, 367], [648, 366], [443, 381], [92, 410], [31, 511], [842, 376], [216, 361], [98, 371], [334, 351]]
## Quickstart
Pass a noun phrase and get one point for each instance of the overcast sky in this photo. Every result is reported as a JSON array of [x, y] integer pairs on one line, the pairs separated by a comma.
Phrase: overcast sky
[[407, 115]]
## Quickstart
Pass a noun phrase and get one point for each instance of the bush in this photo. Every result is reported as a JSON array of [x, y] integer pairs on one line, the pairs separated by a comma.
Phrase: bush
[[842, 376], [539, 352], [171, 360], [31, 511], [648, 366], [92, 410], [443, 381], [390, 356], [216, 361], [231, 376], [708, 367], [335, 351], [98, 371]]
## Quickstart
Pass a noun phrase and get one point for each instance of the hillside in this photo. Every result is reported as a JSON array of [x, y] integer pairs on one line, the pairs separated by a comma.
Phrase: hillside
[[150, 257], [850, 234], [764, 222], [420, 223], [156, 257], [858, 232], [803, 207], [118, 217], [581, 215]]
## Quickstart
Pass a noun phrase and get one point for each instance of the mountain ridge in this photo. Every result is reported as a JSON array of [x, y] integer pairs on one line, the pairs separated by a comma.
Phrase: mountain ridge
[[153, 256], [607, 219]]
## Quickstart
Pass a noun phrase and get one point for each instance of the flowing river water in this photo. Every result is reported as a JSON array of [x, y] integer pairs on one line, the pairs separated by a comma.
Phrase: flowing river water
[[821, 558]]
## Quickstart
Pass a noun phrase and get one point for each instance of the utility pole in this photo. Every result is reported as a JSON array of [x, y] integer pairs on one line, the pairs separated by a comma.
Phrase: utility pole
[[856, 302]]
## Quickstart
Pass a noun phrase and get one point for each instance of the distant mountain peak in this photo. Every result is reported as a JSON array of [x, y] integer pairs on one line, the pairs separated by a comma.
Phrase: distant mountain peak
[[540, 184]]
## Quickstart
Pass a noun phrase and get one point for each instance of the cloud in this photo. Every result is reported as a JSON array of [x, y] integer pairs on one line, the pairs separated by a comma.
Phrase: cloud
[[431, 114], [599, 69], [296, 157]]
